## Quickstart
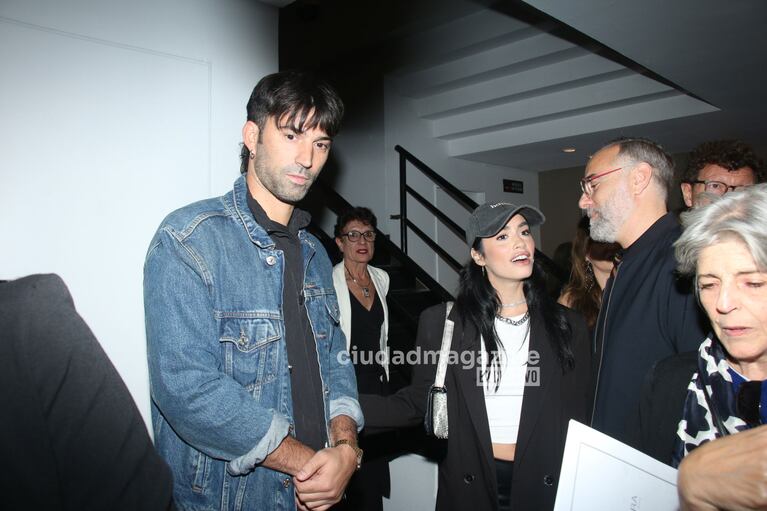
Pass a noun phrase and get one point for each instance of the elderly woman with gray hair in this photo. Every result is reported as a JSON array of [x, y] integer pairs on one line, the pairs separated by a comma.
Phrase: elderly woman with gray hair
[[724, 246]]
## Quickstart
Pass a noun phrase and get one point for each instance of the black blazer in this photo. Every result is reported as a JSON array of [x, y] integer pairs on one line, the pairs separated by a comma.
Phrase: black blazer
[[662, 403], [70, 435], [467, 478]]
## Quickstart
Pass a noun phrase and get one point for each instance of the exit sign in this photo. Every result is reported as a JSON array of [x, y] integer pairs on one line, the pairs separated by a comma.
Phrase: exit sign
[[512, 186]]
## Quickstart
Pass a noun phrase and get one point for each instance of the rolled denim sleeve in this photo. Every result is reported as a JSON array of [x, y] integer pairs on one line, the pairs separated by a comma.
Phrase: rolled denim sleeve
[[350, 407], [206, 408], [277, 432]]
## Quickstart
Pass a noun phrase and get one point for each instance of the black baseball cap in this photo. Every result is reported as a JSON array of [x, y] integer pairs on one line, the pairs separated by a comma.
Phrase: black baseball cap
[[489, 218]]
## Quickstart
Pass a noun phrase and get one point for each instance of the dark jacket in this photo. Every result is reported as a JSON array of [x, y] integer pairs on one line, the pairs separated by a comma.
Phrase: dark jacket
[[662, 404], [71, 437], [467, 478], [647, 314]]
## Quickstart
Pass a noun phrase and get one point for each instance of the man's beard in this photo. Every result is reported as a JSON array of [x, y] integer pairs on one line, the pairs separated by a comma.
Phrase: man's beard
[[612, 216], [276, 180]]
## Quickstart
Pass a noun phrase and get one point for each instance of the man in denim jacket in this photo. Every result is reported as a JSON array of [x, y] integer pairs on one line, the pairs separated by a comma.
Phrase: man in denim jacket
[[242, 325]]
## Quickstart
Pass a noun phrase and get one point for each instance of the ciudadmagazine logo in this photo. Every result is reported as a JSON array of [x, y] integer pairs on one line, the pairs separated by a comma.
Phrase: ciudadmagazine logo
[[467, 359]]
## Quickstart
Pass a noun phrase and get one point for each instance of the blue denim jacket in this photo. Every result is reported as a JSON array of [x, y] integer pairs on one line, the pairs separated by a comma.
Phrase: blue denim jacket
[[218, 368]]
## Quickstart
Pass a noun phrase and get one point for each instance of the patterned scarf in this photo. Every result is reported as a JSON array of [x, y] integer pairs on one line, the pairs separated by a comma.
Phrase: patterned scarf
[[709, 409]]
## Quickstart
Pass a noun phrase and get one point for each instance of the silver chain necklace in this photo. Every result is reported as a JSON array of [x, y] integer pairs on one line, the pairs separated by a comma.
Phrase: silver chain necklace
[[365, 289], [510, 321]]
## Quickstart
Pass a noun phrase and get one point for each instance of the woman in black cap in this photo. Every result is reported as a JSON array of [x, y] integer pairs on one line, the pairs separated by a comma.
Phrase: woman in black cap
[[518, 372]]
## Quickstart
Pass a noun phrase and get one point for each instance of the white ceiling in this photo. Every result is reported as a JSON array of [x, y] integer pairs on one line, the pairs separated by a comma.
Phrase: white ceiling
[[501, 85], [714, 49], [679, 71]]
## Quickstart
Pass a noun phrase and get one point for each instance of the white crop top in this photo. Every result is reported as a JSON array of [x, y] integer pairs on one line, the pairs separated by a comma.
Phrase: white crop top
[[504, 406]]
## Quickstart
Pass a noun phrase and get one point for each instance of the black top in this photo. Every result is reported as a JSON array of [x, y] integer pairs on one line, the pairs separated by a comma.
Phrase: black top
[[71, 437], [467, 477], [365, 344], [305, 379], [647, 314], [662, 404]]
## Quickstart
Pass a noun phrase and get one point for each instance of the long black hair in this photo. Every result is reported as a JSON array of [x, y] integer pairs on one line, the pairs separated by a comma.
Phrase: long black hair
[[478, 302]]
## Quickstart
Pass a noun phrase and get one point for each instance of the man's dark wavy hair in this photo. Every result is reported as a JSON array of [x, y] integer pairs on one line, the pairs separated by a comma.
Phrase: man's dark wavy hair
[[730, 154], [296, 98]]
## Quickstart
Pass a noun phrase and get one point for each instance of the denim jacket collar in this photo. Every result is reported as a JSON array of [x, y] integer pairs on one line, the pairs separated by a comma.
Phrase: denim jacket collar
[[237, 202], [213, 295]]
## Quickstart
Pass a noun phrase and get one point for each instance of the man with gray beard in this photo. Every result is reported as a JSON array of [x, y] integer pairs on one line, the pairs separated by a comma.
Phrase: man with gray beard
[[647, 313]]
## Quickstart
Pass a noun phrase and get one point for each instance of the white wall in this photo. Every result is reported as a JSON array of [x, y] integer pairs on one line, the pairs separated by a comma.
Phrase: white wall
[[113, 114]]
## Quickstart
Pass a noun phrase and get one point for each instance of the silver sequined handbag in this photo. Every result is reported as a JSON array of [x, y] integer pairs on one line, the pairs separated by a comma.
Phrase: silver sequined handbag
[[436, 404]]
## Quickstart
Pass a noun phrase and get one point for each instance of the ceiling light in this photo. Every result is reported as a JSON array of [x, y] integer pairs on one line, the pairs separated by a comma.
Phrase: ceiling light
[[568, 149]]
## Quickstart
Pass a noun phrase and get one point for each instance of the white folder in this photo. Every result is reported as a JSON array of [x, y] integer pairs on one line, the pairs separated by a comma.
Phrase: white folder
[[600, 473]]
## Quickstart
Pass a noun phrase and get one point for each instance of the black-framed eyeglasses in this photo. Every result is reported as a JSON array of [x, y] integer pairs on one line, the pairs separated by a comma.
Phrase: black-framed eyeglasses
[[717, 187], [587, 183], [748, 402], [354, 236]]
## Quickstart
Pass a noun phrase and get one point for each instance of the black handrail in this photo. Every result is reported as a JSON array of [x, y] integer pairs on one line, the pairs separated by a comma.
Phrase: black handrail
[[464, 200], [436, 212], [336, 203], [434, 246], [441, 181]]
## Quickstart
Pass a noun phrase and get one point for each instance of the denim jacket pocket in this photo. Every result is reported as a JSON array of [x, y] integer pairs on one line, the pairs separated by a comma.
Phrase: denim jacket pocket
[[333, 310], [250, 349]]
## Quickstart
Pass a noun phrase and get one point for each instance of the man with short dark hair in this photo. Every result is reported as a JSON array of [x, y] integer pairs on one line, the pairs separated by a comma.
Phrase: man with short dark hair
[[244, 344], [718, 167], [646, 313]]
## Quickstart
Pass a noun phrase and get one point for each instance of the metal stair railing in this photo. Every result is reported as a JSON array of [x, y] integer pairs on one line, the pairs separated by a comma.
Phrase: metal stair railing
[[461, 198], [337, 204], [406, 224]]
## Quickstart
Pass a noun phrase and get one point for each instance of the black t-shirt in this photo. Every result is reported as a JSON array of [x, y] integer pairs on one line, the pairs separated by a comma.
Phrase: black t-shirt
[[365, 345], [305, 379]]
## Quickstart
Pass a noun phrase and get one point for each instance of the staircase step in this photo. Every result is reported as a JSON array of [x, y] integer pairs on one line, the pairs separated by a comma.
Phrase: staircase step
[[413, 301], [666, 105], [484, 64], [555, 72], [400, 278], [609, 88]]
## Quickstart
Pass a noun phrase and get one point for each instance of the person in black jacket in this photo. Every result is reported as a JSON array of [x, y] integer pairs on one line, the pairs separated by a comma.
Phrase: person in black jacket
[[519, 371], [647, 313], [71, 437]]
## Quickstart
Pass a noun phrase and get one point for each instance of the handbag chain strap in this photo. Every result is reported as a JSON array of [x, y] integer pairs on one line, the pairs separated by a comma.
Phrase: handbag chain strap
[[447, 337]]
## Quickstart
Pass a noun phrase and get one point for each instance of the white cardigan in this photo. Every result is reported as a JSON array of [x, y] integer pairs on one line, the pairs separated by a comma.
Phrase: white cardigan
[[381, 282]]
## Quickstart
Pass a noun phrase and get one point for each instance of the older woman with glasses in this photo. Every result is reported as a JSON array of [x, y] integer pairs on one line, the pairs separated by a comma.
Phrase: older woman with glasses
[[361, 290], [724, 246]]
